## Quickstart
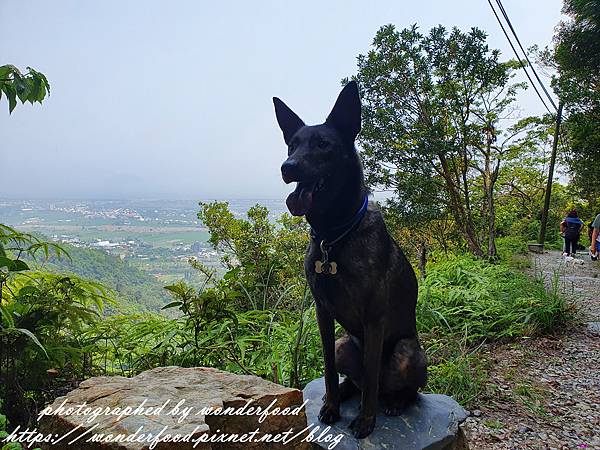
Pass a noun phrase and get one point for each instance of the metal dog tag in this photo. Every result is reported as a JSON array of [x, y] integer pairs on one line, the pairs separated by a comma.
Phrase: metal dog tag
[[326, 268]]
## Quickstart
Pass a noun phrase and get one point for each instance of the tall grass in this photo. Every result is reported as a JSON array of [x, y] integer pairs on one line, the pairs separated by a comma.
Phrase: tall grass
[[465, 303], [483, 301]]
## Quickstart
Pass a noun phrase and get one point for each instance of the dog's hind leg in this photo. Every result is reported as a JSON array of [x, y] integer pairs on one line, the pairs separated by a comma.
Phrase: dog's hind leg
[[348, 359], [404, 371]]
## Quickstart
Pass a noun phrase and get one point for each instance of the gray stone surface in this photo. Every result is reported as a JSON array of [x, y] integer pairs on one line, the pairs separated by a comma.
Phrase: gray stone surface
[[431, 423], [594, 327]]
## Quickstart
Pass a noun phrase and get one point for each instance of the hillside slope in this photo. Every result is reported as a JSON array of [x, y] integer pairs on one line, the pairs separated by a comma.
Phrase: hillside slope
[[133, 286]]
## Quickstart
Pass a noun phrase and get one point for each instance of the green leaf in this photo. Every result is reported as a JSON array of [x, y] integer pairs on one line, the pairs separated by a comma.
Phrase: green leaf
[[19, 265], [35, 340], [38, 92], [172, 305], [6, 262], [11, 94], [8, 318], [5, 71], [14, 265], [30, 87], [44, 81], [23, 87]]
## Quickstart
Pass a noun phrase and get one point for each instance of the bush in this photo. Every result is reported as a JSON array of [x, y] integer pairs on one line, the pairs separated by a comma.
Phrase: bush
[[42, 316], [513, 251], [483, 301], [282, 346]]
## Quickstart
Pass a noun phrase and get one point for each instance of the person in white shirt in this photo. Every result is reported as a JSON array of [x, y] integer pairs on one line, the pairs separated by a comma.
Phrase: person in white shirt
[[595, 241]]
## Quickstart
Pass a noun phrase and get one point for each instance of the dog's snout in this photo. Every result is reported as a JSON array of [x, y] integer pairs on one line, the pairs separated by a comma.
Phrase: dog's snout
[[289, 171]]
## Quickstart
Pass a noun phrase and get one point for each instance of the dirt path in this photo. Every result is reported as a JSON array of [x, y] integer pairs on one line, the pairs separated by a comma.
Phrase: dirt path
[[545, 392]]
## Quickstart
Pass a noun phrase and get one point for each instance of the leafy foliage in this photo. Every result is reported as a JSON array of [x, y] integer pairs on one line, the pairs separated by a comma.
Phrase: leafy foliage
[[466, 303], [134, 288], [43, 316], [257, 318], [31, 86], [484, 301], [264, 260], [432, 106], [522, 184], [577, 54]]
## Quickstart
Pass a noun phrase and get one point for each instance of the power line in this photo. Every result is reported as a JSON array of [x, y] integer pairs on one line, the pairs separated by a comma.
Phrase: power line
[[557, 136], [518, 58], [504, 13]]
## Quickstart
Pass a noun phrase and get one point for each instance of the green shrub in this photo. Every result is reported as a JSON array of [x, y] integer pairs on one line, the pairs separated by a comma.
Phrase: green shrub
[[483, 301], [513, 251]]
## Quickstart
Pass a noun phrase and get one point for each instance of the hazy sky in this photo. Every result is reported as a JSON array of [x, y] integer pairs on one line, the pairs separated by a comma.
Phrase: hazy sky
[[173, 98]]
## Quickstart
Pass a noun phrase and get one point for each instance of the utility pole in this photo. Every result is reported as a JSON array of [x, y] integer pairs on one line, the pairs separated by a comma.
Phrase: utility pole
[[550, 176]]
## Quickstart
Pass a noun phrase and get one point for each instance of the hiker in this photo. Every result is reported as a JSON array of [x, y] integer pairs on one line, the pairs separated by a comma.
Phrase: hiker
[[595, 238], [570, 228]]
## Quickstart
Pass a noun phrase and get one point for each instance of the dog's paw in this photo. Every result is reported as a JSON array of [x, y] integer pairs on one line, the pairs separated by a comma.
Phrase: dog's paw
[[329, 413], [394, 410], [362, 426]]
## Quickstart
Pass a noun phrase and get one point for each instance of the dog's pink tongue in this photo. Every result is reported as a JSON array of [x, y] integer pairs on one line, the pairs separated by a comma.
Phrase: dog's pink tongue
[[300, 201]]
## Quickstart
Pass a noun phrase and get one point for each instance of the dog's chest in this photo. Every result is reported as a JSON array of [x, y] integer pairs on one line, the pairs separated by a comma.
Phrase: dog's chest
[[342, 304], [341, 293]]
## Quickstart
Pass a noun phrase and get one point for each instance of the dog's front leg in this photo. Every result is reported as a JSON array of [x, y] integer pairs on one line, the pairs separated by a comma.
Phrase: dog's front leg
[[330, 411], [364, 423]]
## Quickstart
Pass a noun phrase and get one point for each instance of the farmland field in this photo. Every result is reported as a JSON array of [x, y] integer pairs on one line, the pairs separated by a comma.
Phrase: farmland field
[[155, 236]]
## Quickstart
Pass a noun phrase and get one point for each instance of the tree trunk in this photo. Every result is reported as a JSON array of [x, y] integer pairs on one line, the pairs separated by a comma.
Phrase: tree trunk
[[472, 240], [491, 223], [461, 216], [422, 259]]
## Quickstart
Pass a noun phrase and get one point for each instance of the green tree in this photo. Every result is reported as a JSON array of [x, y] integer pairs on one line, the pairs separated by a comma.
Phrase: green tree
[[31, 86], [577, 54], [264, 260], [522, 185], [432, 106]]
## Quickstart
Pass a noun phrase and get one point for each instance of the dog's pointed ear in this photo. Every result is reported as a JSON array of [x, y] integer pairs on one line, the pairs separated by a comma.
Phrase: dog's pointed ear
[[287, 119], [345, 115]]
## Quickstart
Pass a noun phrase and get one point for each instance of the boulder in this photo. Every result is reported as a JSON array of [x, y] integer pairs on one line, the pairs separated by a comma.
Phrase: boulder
[[157, 399], [431, 423]]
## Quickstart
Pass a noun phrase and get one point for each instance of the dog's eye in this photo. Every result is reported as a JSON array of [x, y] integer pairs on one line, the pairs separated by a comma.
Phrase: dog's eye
[[291, 148], [323, 143]]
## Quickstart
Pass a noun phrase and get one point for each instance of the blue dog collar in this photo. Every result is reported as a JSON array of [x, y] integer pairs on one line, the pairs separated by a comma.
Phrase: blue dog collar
[[334, 234]]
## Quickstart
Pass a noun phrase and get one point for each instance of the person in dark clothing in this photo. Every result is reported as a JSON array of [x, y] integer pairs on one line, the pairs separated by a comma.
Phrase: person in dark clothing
[[594, 233], [570, 228]]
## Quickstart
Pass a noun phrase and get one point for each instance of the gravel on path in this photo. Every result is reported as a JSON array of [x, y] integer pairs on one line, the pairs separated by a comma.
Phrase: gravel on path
[[545, 391]]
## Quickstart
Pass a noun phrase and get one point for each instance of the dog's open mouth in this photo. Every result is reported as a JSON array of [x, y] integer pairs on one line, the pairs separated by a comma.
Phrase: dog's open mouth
[[300, 201]]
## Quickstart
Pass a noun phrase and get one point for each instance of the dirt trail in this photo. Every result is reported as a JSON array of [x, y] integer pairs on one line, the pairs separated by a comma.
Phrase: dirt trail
[[545, 392]]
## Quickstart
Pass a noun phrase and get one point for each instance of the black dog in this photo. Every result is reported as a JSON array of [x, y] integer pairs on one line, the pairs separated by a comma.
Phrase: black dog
[[357, 273]]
